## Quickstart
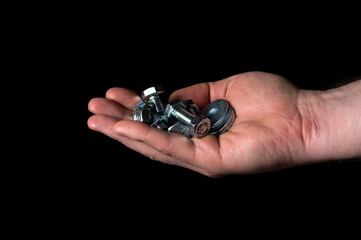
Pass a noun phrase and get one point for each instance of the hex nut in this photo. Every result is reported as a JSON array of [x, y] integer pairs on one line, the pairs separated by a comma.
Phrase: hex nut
[[199, 126], [142, 115]]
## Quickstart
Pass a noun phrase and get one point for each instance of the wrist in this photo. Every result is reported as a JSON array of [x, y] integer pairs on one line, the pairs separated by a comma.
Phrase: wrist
[[331, 123]]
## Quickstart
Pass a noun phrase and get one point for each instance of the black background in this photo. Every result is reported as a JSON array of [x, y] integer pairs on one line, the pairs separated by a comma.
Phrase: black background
[[87, 51]]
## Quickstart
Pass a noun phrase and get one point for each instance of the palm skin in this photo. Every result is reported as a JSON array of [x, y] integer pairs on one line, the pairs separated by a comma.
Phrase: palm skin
[[266, 135]]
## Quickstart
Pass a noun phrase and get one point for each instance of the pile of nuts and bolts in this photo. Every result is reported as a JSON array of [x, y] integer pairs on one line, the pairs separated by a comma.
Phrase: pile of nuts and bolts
[[183, 117]]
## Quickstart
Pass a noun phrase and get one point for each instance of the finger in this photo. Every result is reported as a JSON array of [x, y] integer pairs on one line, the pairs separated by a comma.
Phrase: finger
[[204, 93], [109, 108], [125, 97], [175, 145], [105, 125], [199, 93]]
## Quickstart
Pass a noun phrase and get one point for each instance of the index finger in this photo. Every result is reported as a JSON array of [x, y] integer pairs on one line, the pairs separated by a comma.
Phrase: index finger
[[199, 93], [125, 97]]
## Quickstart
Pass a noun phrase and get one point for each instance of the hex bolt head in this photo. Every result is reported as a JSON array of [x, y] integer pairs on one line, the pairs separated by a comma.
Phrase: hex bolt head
[[152, 95]]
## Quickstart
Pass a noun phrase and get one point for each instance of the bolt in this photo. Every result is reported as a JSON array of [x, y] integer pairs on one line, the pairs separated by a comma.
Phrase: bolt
[[151, 95], [198, 126]]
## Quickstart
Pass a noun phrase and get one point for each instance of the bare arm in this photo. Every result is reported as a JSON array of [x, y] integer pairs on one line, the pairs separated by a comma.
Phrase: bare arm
[[332, 122]]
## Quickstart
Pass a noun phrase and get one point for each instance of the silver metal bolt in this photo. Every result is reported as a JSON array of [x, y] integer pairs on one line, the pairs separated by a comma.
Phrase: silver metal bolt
[[198, 126], [151, 95]]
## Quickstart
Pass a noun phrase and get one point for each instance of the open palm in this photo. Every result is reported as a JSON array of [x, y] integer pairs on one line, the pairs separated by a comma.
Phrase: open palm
[[266, 134]]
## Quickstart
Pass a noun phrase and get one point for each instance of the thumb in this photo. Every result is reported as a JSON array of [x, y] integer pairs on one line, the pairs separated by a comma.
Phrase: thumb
[[199, 93]]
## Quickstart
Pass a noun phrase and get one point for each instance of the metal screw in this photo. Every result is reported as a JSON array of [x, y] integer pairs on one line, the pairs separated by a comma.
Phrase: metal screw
[[199, 126], [151, 95]]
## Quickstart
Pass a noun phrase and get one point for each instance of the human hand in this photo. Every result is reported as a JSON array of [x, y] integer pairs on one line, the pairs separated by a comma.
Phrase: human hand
[[273, 128]]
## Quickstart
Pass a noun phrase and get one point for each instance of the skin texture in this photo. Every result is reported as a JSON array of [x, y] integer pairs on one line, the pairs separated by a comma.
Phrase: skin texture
[[277, 126]]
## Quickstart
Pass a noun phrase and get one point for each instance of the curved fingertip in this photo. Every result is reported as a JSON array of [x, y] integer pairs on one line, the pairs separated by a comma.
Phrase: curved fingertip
[[113, 92], [118, 128], [123, 96], [92, 122], [93, 105], [101, 122]]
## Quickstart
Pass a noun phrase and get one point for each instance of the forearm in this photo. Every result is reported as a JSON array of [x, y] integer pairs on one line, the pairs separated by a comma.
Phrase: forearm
[[331, 125]]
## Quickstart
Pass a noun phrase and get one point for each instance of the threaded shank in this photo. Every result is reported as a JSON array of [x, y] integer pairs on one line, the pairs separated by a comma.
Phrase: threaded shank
[[155, 99]]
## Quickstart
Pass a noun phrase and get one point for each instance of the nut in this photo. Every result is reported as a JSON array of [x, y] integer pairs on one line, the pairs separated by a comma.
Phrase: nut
[[142, 115], [199, 126]]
